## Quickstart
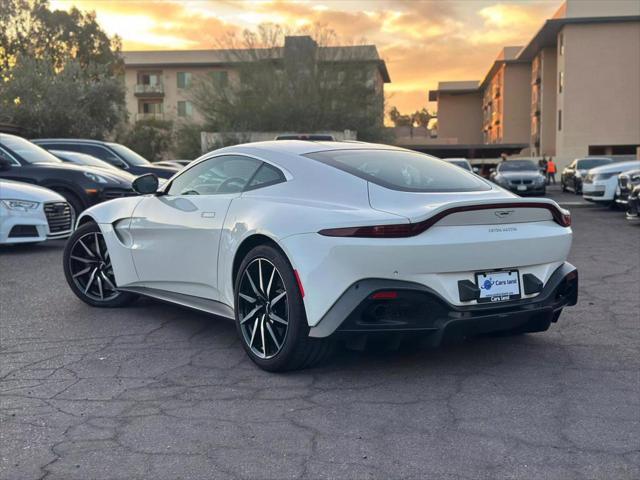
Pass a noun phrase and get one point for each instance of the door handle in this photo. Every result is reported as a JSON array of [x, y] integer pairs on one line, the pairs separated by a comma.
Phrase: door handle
[[208, 214]]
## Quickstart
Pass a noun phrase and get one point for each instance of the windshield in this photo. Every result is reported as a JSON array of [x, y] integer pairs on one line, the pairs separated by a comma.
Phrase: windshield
[[129, 155], [29, 152], [82, 159], [517, 166], [593, 163], [402, 170]]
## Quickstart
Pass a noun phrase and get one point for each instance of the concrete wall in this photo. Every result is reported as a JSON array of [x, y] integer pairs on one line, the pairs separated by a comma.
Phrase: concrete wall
[[548, 90], [516, 104], [601, 8], [601, 99], [460, 116]]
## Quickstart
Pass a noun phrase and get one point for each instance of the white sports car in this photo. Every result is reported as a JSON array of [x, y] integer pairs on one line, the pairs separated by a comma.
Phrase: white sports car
[[302, 241]]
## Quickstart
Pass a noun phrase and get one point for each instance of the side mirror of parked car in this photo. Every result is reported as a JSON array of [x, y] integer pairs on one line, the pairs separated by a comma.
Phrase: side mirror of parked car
[[5, 163], [145, 184], [476, 170]]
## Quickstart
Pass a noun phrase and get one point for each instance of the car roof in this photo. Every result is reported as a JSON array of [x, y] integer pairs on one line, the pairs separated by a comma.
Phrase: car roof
[[303, 147], [67, 140], [617, 166]]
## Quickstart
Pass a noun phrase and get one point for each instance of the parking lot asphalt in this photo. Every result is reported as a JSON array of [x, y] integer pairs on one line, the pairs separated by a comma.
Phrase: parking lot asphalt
[[154, 391]]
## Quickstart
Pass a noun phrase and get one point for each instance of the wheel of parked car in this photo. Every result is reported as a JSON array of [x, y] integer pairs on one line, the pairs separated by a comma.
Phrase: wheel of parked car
[[88, 270], [576, 187], [563, 187], [270, 315]]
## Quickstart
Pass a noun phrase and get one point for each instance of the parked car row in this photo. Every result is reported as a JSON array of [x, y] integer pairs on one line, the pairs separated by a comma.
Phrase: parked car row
[[47, 183]]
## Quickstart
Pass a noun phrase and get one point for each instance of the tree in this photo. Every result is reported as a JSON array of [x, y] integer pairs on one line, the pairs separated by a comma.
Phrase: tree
[[76, 101], [31, 29], [59, 72], [301, 83], [419, 118], [151, 138]]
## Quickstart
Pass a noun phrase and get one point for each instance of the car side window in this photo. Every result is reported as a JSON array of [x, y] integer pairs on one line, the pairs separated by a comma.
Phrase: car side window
[[265, 176], [8, 158], [215, 176], [101, 153]]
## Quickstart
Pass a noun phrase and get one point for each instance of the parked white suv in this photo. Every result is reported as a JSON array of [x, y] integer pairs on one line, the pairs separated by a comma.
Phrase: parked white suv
[[599, 185], [30, 214]]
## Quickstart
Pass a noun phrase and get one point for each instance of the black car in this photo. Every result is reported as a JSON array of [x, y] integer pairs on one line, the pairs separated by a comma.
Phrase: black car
[[633, 205], [626, 183], [520, 176], [571, 177], [81, 186], [113, 153]]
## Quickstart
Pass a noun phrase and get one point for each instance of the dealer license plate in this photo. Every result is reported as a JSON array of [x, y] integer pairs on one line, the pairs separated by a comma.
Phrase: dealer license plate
[[498, 286]]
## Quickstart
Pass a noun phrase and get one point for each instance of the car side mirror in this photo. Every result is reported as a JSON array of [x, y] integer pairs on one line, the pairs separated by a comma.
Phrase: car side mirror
[[476, 170], [146, 184], [493, 170], [5, 164]]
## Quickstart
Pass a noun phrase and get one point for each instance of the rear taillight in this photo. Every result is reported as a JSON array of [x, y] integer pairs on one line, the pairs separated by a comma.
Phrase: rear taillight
[[560, 216], [385, 295], [375, 231]]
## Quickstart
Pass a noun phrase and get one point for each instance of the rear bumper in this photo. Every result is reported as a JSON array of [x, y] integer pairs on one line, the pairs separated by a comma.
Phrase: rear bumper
[[419, 309]]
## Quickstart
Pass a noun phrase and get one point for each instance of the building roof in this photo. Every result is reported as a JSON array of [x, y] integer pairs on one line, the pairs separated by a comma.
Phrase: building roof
[[226, 57], [547, 36], [465, 86]]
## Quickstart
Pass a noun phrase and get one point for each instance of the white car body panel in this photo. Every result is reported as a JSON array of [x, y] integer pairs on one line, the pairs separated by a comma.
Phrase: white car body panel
[[10, 190], [174, 243], [609, 185]]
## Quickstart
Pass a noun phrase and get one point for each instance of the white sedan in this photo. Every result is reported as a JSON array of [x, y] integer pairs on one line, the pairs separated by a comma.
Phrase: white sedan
[[31, 214], [600, 183], [300, 242]]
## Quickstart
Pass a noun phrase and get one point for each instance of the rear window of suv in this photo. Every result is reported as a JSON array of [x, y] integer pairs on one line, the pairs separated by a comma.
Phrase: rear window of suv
[[402, 170]]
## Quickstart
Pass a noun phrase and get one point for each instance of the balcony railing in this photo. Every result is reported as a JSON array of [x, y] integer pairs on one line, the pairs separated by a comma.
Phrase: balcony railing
[[146, 90], [149, 116]]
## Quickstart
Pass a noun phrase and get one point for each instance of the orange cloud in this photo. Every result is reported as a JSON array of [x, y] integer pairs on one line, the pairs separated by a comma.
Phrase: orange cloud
[[422, 41]]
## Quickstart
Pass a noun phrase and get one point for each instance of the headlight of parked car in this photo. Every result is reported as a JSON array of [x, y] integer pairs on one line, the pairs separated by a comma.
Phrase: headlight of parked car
[[604, 176], [95, 177], [22, 205], [540, 180]]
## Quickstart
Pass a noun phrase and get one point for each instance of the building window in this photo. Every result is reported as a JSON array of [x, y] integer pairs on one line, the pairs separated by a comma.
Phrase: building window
[[185, 108], [560, 81], [184, 79], [559, 120], [220, 78], [561, 44], [150, 106], [149, 78]]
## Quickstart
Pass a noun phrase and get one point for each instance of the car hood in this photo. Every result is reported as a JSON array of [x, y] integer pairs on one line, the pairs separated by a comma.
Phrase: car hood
[[115, 176], [25, 191], [618, 167], [162, 172]]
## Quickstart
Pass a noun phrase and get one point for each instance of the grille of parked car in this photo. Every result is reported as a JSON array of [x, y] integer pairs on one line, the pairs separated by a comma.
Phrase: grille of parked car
[[58, 216], [118, 193], [521, 182]]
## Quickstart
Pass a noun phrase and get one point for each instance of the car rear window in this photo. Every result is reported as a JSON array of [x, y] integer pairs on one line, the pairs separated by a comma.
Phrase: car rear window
[[402, 170]]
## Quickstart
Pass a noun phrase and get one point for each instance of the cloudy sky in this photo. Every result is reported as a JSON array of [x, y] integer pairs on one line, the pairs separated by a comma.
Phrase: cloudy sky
[[421, 41]]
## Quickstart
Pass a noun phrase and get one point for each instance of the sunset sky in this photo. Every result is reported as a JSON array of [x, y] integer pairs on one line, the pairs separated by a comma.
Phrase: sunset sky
[[421, 41]]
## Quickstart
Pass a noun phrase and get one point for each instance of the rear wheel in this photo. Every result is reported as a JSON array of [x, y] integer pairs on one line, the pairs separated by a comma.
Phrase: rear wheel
[[88, 269], [270, 315]]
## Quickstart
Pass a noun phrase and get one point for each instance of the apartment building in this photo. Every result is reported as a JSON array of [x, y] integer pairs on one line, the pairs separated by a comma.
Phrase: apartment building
[[573, 90], [157, 82]]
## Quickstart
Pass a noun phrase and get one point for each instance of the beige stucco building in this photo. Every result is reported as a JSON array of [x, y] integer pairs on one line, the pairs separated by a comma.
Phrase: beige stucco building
[[157, 82], [573, 90]]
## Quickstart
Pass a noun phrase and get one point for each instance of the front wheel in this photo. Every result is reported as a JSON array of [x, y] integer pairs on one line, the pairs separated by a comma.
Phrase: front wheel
[[88, 269], [270, 315]]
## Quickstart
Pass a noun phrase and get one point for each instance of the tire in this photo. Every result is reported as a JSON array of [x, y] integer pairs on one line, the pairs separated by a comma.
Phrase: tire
[[576, 189], [88, 270], [563, 187], [270, 316]]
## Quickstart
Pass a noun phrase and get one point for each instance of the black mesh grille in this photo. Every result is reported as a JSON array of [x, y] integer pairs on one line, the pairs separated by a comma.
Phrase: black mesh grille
[[23, 231], [58, 216]]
